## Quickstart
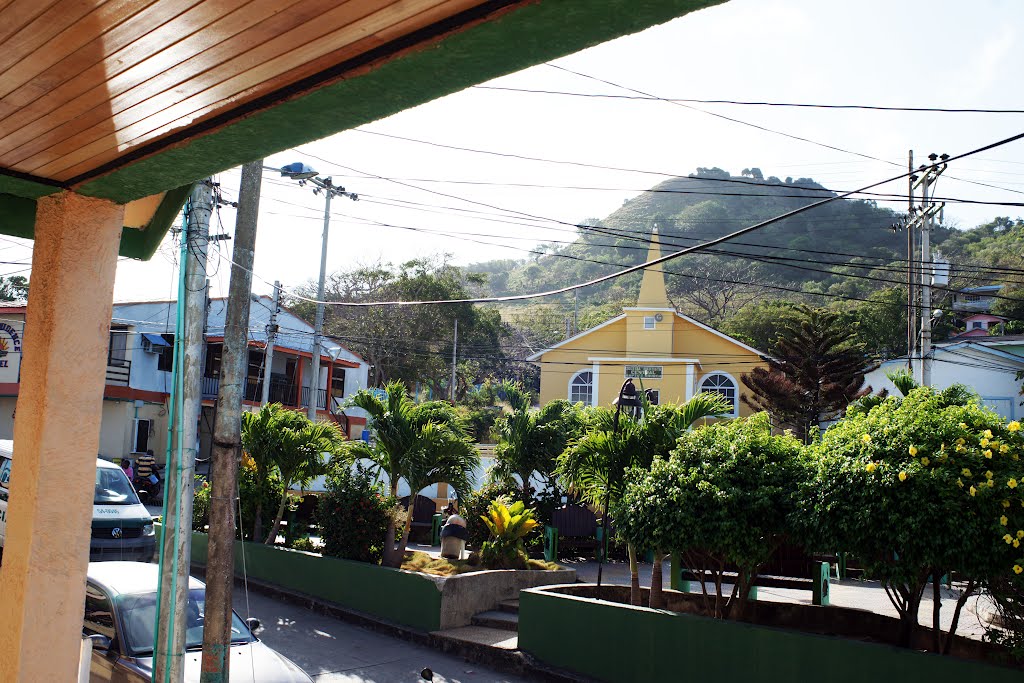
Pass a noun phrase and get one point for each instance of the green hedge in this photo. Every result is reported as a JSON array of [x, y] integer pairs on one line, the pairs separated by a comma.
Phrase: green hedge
[[621, 643]]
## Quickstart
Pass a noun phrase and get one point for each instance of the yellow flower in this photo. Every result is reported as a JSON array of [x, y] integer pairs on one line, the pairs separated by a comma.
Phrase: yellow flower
[[866, 438], [988, 474], [987, 453], [1003, 520], [1013, 484], [960, 442], [973, 490], [1006, 503], [1016, 543], [903, 476], [1020, 533], [871, 467], [925, 461], [960, 483], [991, 483], [966, 472], [1017, 569], [988, 433], [963, 425], [1008, 538], [961, 449], [942, 447], [912, 450], [1013, 426], [1004, 448], [983, 442]]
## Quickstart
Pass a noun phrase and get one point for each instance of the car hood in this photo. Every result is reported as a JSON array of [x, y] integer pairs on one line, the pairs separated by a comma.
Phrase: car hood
[[268, 665]]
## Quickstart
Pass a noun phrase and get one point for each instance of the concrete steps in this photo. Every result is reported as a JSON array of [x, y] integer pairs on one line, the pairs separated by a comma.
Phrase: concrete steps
[[510, 606], [499, 619], [499, 638]]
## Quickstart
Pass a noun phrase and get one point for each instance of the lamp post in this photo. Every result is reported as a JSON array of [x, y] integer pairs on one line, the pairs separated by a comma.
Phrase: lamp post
[[304, 174], [628, 398]]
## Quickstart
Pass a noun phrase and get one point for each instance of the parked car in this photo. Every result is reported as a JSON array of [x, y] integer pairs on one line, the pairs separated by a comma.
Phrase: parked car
[[120, 619], [122, 528]]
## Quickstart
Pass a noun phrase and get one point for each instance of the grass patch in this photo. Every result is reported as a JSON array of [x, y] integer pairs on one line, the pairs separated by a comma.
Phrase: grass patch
[[422, 562]]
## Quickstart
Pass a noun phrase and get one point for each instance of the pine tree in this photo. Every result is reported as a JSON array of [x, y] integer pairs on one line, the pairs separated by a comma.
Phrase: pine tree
[[816, 369]]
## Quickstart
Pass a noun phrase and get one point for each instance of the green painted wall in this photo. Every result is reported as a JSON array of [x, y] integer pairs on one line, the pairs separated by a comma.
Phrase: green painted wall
[[622, 644], [401, 597]]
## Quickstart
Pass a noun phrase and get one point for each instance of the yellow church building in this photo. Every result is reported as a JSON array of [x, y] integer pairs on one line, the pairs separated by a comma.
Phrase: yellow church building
[[659, 348]]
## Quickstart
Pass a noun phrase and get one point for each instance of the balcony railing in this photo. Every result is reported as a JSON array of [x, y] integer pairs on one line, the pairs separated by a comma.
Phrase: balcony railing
[[285, 393], [321, 398], [119, 373]]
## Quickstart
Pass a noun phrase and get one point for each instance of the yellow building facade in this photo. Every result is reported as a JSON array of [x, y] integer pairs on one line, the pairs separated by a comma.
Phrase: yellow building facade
[[658, 348]]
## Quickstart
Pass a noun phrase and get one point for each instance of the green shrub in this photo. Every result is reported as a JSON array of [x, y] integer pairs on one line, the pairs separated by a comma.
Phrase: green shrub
[[201, 505], [508, 526], [306, 544], [257, 493], [353, 515], [476, 505]]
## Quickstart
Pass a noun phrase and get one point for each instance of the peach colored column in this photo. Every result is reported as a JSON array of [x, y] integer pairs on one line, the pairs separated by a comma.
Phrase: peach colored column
[[56, 437]]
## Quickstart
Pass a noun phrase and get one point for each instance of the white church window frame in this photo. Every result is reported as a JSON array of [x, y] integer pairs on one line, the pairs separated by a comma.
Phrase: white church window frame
[[711, 382]]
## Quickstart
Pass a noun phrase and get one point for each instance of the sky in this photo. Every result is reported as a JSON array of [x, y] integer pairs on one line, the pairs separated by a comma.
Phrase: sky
[[421, 200]]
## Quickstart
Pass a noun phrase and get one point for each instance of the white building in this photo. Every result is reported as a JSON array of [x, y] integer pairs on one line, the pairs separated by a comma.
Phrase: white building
[[987, 365], [139, 364]]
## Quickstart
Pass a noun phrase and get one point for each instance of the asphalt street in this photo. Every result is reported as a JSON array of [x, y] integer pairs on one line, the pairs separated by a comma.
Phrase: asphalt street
[[333, 651]]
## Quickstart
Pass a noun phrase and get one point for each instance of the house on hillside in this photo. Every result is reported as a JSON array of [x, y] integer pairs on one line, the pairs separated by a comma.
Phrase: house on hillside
[[979, 324], [975, 299], [988, 365], [659, 348], [140, 359]]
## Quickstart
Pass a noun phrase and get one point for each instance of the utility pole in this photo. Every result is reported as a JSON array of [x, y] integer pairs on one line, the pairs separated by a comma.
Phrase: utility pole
[[455, 354], [268, 361], [928, 210], [304, 174], [911, 256], [176, 544], [227, 436]]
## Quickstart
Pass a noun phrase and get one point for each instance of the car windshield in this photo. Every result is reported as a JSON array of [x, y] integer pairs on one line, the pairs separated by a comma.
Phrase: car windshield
[[138, 618], [113, 487]]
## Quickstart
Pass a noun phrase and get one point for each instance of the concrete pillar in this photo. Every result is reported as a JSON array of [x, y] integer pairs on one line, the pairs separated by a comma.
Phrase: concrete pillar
[[56, 437]]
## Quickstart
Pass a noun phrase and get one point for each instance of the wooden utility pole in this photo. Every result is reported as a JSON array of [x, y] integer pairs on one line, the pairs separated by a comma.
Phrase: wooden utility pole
[[176, 544], [227, 434]]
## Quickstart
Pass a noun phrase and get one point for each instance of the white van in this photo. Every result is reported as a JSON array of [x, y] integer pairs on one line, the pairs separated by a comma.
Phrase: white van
[[122, 528]]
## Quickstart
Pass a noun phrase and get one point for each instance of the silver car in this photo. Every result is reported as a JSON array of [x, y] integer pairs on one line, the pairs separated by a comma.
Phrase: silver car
[[120, 619]]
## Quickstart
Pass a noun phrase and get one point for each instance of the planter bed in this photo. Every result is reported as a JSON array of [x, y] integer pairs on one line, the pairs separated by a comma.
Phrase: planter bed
[[420, 601], [565, 626]]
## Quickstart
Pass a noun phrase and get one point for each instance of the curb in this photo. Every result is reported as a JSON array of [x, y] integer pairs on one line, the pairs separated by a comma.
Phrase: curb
[[506, 661]]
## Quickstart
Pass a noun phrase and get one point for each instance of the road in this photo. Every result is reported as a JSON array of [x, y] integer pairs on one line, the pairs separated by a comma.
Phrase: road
[[333, 651]]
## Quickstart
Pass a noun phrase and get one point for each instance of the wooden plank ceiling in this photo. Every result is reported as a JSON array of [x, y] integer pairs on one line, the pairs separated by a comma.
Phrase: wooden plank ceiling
[[84, 83]]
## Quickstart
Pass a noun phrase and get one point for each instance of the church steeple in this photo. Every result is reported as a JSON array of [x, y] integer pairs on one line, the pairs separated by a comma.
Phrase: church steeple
[[652, 290]]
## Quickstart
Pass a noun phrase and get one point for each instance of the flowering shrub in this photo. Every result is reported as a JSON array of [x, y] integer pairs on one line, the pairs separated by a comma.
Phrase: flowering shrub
[[919, 487], [477, 504], [201, 505], [726, 495], [259, 496], [508, 526], [354, 515]]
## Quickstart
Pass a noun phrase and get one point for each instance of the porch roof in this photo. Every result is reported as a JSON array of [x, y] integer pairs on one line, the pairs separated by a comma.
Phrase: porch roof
[[134, 101]]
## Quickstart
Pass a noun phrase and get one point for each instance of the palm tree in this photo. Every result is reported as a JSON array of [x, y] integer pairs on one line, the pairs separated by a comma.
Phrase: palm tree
[[260, 432], [594, 465], [299, 457], [530, 440], [423, 444]]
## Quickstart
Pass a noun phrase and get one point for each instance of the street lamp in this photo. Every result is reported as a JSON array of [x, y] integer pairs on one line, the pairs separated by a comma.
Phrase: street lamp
[[305, 174], [629, 399]]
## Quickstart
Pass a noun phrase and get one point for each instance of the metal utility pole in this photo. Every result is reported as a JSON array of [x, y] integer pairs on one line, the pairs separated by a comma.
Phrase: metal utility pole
[[227, 436], [455, 354], [176, 544], [911, 256], [928, 210], [268, 360]]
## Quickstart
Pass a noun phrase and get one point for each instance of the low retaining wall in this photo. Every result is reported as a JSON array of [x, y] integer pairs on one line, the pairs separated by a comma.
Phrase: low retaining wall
[[621, 643], [420, 601]]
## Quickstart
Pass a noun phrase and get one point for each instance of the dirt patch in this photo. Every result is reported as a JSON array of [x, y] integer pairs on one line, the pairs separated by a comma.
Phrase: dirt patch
[[440, 566]]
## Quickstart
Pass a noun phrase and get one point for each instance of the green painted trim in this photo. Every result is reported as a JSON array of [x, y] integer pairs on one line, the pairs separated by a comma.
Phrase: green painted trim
[[623, 644], [401, 597], [142, 244], [529, 34], [26, 187], [17, 216]]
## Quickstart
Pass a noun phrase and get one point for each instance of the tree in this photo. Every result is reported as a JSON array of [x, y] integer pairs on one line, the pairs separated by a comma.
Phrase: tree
[[816, 369], [423, 444], [725, 496], [916, 488], [287, 444], [594, 465], [530, 440], [13, 288], [718, 287]]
